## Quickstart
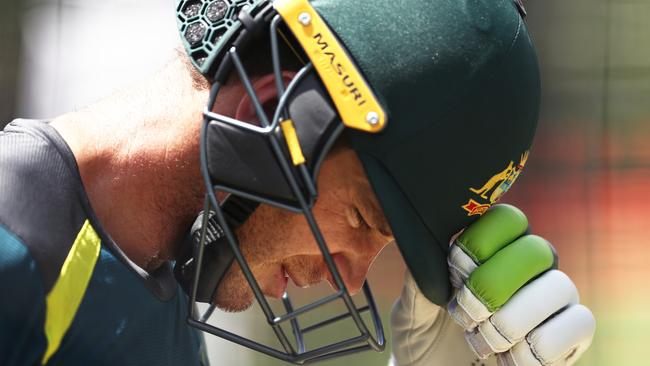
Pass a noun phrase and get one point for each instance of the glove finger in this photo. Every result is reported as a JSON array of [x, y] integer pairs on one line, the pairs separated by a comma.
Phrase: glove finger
[[494, 282], [528, 308], [461, 266], [558, 342], [498, 227]]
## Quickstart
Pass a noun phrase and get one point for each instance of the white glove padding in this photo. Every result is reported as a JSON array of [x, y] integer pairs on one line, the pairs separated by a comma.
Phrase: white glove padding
[[423, 334], [510, 301]]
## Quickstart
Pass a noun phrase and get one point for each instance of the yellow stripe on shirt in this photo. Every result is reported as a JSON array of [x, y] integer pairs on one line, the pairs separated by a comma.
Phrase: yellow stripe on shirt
[[65, 297]]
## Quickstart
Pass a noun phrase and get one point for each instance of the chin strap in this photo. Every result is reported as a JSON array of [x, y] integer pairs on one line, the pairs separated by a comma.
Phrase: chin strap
[[218, 255]]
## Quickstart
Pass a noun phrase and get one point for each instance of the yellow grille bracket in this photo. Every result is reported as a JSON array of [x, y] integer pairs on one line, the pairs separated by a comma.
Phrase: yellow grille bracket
[[290, 135]]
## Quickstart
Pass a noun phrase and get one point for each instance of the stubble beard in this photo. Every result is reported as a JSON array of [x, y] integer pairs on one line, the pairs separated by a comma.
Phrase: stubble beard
[[263, 242], [234, 293]]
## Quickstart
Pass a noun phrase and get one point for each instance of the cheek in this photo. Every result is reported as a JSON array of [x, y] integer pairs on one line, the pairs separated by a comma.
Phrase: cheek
[[336, 228], [271, 235], [341, 236]]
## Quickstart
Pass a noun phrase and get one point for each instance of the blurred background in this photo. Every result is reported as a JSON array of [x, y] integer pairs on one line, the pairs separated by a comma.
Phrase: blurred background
[[586, 186]]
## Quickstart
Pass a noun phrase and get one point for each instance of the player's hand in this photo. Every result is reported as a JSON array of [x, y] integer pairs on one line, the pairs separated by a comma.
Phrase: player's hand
[[511, 300]]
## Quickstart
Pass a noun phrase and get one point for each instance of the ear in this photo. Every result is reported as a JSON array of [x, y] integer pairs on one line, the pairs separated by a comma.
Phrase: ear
[[267, 95]]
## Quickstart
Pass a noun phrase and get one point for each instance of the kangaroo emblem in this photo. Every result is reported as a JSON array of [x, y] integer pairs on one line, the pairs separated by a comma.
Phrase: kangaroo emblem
[[496, 179], [505, 185], [498, 185]]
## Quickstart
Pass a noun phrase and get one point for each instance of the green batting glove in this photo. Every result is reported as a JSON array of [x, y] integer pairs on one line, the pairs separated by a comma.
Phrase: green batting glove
[[511, 299]]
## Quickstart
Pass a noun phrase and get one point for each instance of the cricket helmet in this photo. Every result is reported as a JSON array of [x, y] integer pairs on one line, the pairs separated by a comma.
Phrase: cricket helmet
[[440, 100]]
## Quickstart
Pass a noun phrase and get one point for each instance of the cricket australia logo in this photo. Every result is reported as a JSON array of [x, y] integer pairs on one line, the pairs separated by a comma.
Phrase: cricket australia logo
[[495, 187]]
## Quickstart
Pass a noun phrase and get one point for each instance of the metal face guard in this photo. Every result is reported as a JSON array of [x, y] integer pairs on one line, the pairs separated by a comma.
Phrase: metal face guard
[[263, 165]]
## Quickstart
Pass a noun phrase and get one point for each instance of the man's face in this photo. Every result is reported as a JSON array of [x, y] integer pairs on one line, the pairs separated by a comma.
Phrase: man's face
[[279, 245]]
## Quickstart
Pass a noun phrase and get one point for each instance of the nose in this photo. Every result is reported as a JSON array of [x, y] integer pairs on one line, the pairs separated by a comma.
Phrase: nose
[[353, 271]]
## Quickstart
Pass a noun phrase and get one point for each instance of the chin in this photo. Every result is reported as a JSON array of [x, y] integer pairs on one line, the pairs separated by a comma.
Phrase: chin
[[233, 304], [233, 294]]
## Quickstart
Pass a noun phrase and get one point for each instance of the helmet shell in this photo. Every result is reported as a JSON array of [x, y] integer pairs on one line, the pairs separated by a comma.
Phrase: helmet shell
[[460, 83]]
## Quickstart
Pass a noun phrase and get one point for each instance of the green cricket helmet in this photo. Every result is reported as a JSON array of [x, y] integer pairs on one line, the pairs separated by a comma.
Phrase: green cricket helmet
[[439, 99]]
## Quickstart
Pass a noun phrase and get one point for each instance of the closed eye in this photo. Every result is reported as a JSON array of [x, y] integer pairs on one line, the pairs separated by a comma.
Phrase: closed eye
[[355, 218]]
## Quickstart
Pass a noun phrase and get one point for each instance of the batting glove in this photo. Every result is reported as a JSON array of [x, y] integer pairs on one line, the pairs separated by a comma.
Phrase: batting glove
[[510, 299]]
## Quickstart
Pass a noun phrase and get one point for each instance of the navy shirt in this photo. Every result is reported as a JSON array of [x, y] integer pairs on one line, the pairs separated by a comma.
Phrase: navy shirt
[[69, 295]]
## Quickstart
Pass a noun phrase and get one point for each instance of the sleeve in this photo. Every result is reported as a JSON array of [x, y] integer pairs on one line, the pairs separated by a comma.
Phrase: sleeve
[[424, 333], [22, 305]]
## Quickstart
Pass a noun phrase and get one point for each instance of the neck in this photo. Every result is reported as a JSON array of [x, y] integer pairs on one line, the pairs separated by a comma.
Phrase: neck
[[138, 156]]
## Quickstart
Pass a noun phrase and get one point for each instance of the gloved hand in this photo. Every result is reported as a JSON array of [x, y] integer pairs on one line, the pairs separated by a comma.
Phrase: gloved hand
[[511, 300]]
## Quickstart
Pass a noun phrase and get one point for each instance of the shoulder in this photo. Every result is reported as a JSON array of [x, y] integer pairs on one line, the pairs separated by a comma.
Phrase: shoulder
[[40, 193], [22, 311], [14, 257], [15, 263]]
